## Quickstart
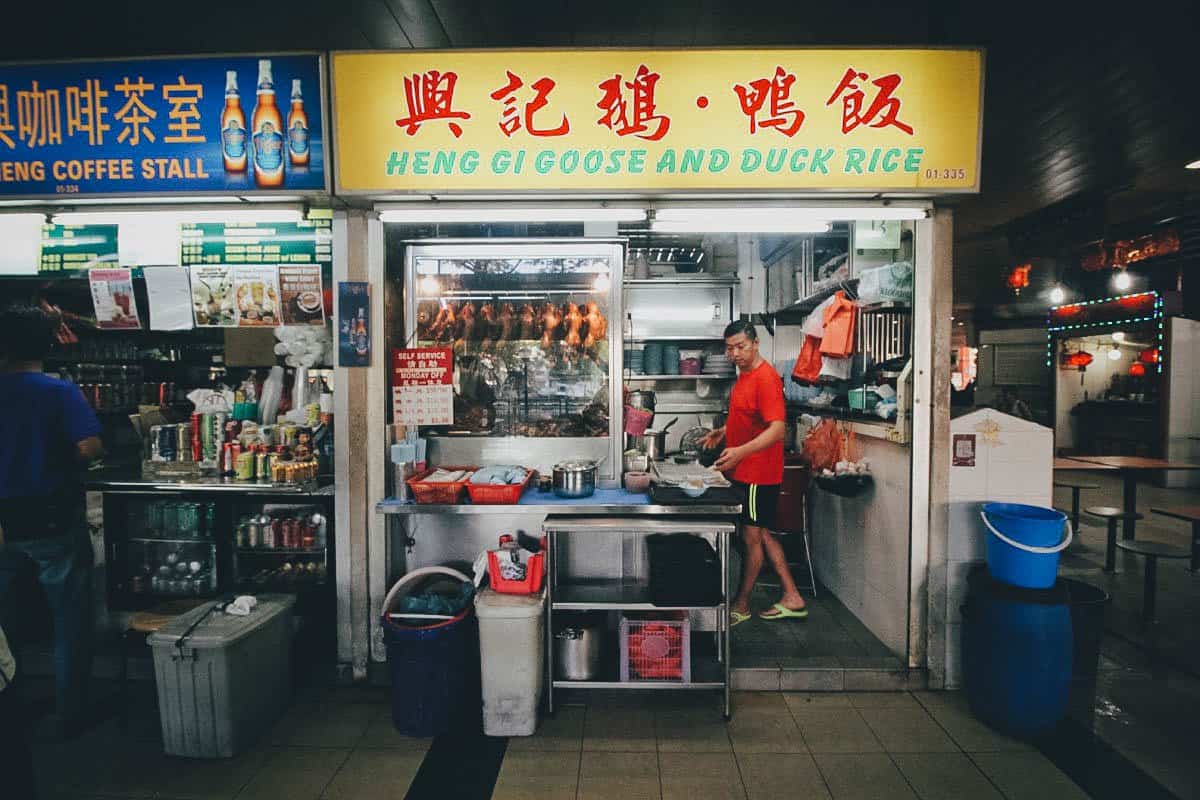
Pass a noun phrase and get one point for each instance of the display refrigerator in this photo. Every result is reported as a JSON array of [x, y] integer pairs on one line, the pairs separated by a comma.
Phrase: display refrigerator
[[535, 328]]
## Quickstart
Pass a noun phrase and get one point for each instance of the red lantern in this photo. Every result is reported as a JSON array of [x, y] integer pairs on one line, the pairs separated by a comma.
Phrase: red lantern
[[1137, 369], [1078, 360], [1018, 279], [1149, 356]]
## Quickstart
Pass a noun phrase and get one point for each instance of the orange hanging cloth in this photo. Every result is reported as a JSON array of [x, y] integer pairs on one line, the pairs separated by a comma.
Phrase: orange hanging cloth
[[838, 339], [808, 365]]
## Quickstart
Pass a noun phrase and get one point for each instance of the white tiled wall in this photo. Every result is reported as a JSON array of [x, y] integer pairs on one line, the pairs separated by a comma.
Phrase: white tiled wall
[[1012, 465], [860, 545]]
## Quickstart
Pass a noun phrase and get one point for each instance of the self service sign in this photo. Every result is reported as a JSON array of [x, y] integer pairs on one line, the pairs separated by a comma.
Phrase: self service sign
[[229, 125], [653, 120]]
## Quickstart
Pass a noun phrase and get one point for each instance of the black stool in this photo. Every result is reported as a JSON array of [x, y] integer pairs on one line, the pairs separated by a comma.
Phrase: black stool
[[1153, 551], [1187, 514], [1075, 488], [1112, 516]]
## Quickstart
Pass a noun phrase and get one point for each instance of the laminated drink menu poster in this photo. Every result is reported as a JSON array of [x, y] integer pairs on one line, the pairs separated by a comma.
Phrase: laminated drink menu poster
[[300, 294], [354, 324], [422, 386], [212, 296], [256, 296], [112, 297]]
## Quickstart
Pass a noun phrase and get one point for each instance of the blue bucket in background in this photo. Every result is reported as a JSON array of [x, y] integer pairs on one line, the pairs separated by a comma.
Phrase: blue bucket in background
[[1024, 542]]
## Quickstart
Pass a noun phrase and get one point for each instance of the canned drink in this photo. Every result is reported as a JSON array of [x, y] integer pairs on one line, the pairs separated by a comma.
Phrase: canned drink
[[227, 465], [166, 442], [242, 540], [268, 530], [183, 442], [262, 464], [208, 442], [218, 427], [245, 466], [155, 455], [197, 431], [291, 532], [210, 520], [253, 533], [308, 535], [280, 532]]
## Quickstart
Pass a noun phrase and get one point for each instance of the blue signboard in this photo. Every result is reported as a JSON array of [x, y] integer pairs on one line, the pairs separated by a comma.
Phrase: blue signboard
[[225, 124]]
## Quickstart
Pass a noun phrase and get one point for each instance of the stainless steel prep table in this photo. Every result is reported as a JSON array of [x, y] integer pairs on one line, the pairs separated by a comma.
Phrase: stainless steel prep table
[[613, 511]]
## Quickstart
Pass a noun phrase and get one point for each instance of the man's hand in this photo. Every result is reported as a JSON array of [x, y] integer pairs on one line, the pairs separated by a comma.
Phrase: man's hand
[[730, 458], [713, 439]]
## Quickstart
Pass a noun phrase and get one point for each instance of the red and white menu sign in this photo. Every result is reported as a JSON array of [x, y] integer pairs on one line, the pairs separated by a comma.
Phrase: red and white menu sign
[[423, 386]]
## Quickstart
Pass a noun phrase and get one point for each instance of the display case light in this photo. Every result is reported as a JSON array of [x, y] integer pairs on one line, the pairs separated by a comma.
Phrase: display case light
[[1057, 295], [812, 213], [176, 216], [1122, 281], [481, 213]]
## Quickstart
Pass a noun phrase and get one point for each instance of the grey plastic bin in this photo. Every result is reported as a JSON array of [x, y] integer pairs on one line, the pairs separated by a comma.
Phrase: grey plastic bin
[[230, 680]]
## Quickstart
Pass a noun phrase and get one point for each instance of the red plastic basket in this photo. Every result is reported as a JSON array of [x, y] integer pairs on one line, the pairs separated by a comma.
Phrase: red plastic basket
[[498, 494], [535, 569], [437, 493], [656, 649]]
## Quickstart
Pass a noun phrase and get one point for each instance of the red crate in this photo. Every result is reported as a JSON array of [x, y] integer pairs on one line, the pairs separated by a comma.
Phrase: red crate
[[535, 570], [656, 649], [437, 493], [499, 494]]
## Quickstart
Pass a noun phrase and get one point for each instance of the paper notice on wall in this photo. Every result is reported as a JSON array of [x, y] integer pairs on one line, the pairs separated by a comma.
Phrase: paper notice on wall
[[256, 293], [212, 296], [302, 301], [112, 297], [422, 386], [170, 297]]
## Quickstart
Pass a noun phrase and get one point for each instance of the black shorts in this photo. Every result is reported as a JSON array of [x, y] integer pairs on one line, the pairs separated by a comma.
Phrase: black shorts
[[759, 504]]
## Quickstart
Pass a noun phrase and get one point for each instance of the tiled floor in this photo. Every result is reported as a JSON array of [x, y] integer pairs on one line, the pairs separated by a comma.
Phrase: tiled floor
[[837, 746], [1147, 704]]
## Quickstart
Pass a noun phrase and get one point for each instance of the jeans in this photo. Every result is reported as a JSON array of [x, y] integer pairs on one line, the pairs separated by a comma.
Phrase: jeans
[[64, 569]]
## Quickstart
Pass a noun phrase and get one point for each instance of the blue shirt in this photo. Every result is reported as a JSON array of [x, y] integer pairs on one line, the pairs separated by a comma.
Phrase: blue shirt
[[42, 420]]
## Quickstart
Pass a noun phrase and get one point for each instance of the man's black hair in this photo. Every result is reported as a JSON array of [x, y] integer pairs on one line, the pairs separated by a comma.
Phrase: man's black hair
[[741, 326], [26, 334]]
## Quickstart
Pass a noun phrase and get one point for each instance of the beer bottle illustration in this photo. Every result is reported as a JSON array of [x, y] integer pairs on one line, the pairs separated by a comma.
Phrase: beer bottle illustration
[[267, 127], [297, 128], [361, 340], [233, 127]]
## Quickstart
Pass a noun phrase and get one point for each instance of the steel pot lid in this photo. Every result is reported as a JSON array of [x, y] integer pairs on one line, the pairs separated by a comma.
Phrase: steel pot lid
[[579, 465]]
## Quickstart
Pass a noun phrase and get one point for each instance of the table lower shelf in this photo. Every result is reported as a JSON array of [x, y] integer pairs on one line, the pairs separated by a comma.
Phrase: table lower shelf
[[614, 595], [707, 673]]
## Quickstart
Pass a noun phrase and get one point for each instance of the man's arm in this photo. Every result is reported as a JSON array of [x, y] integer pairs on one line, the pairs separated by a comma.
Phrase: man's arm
[[89, 450], [772, 434]]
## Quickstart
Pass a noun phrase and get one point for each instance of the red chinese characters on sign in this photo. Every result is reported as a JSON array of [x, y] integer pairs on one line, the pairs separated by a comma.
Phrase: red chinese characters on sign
[[513, 120], [781, 112], [430, 98], [884, 109], [636, 112]]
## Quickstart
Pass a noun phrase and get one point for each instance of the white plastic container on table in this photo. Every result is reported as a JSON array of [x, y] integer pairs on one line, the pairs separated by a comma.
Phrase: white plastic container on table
[[512, 660], [229, 681]]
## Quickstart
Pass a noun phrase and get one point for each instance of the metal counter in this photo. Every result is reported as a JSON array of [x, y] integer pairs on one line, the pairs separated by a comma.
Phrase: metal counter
[[604, 503], [131, 484]]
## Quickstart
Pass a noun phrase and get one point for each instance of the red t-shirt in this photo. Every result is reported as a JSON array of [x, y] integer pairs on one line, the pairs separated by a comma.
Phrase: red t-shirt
[[756, 401]]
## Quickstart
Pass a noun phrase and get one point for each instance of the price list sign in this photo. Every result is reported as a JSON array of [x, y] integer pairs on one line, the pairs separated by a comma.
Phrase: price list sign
[[77, 248], [422, 386], [307, 242]]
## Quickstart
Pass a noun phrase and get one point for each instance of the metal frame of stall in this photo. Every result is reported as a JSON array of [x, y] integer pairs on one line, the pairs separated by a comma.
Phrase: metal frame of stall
[[369, 544]]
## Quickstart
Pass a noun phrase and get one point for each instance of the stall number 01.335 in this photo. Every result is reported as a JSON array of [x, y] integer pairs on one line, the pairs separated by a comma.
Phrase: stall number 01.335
[[950, 174]]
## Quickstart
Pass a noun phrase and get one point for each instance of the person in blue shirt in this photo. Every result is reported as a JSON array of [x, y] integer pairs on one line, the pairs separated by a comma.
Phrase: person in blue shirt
[[48, 436]]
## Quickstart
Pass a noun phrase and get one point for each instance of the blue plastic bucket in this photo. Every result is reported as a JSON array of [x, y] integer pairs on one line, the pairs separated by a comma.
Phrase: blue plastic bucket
[[1024, 542]]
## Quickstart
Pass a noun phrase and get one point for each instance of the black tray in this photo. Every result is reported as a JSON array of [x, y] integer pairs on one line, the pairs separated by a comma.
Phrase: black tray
[[715, 496]]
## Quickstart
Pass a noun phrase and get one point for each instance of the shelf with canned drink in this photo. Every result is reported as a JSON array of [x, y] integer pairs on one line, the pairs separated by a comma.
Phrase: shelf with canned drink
[[281, 547]]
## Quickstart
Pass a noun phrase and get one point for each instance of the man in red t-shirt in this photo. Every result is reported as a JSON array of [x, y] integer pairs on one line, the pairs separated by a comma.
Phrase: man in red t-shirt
[[753, 460]]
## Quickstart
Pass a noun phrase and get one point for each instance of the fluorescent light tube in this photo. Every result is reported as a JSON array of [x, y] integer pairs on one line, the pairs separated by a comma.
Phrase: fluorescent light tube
[[819, 213], [175, 216], [739, 225], [501, 213]]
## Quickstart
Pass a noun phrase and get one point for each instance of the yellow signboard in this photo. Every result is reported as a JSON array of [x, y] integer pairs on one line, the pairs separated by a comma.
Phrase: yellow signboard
[[652, 121]]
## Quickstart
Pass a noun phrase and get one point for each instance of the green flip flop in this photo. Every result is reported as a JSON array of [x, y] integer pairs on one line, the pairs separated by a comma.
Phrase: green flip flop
[[737, 618], [783, 613]]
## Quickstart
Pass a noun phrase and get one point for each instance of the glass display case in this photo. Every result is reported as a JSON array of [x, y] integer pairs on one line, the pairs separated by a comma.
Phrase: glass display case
[[170, 551], [535, 330]]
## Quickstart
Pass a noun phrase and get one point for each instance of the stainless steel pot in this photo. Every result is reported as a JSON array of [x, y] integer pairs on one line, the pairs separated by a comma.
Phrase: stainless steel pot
[[655, 444], [577, 653], [575, 478], [643, 399]]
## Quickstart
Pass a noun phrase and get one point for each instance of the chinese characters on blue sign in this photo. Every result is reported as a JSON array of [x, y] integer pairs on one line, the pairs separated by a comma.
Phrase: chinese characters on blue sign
[[222, 124]]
